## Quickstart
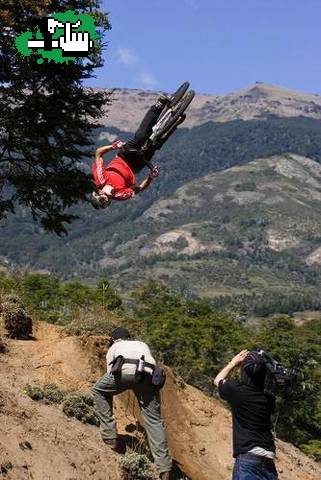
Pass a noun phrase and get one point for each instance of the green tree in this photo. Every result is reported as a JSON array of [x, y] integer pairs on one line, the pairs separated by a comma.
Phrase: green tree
[[47, 117], [187, 334], [109, 296], [299, 407]]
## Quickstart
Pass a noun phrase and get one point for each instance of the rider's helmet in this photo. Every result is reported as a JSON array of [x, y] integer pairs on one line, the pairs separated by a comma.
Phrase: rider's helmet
[[100, 201]]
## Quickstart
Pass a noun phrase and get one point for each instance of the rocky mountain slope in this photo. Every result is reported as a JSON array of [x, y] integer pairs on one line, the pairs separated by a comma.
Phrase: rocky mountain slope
[[243, 229], [258, 100], [252, 228], [38, 442]]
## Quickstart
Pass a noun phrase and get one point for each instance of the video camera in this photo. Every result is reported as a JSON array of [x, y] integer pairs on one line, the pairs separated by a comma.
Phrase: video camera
[[277, 377]]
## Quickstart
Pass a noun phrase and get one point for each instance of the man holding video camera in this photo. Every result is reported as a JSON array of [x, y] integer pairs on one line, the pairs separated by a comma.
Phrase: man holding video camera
[[252, 405]]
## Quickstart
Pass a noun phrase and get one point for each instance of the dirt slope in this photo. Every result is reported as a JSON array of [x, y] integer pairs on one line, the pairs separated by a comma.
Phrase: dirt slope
[[61, 448], [199, 428]]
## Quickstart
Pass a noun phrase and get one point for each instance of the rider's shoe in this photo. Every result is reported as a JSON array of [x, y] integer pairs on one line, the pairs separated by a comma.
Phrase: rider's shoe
[[112, 443]]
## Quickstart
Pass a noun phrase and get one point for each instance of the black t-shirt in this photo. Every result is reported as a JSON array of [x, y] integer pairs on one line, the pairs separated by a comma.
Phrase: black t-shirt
[[251, 414]]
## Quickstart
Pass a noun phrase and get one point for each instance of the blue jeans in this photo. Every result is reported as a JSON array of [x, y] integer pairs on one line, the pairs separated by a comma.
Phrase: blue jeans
[[253, 467]]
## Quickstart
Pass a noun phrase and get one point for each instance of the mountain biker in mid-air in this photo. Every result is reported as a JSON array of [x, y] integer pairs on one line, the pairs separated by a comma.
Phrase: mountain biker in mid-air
[[117, 180]]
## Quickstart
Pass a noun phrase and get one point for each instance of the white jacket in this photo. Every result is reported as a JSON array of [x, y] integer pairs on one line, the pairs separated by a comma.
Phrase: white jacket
[[132, 349]]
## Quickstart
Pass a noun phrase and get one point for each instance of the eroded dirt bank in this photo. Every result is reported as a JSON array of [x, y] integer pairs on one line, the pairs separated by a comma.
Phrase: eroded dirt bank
[[199, 428]]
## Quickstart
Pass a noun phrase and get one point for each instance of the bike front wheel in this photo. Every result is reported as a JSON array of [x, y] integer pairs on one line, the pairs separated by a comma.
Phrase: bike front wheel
[[173, 115]]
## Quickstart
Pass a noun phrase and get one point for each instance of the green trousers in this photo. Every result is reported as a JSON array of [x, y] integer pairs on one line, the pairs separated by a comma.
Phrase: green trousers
[[149, 401]]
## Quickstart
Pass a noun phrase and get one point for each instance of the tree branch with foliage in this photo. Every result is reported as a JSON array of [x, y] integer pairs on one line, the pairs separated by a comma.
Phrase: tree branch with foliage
[[47, 117]]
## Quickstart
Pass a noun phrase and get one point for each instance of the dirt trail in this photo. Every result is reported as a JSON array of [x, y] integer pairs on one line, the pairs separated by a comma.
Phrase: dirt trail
[[199, 428], [58, 447]]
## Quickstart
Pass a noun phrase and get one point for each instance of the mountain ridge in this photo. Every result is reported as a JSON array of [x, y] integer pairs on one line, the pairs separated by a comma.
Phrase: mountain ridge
[[256, 101]]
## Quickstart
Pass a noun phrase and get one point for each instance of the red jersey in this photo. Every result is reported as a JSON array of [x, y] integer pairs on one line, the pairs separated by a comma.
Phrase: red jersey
[[118, 174]]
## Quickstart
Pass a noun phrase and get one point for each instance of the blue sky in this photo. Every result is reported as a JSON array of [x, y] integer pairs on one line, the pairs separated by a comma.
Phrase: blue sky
[[218, 45]]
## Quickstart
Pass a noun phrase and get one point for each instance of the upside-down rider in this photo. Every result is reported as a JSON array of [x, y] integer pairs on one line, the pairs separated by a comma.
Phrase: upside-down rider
[[117, 180]]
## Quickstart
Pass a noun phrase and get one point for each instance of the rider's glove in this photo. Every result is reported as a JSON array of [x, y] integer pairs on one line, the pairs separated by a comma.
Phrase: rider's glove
[[117, 144], [154, 172]]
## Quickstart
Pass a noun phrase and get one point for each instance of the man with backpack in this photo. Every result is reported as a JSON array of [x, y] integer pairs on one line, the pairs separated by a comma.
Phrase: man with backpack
[[252, 406], [131, 366]]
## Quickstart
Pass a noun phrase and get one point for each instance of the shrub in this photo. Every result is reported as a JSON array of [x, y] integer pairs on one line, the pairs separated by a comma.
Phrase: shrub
[[313, 448], [52, 393], [111, 298], [16, 320], [34, 392], [49, 392], [135, 467], [89, 325], [74, 404], [80, 406], [11, 298]]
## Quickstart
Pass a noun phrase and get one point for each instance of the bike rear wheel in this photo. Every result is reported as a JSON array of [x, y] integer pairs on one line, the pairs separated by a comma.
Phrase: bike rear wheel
[[159, 142]]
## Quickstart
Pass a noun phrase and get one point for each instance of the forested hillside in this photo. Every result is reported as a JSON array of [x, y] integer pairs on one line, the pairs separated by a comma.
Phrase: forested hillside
[[100, 243], [249, 232]]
